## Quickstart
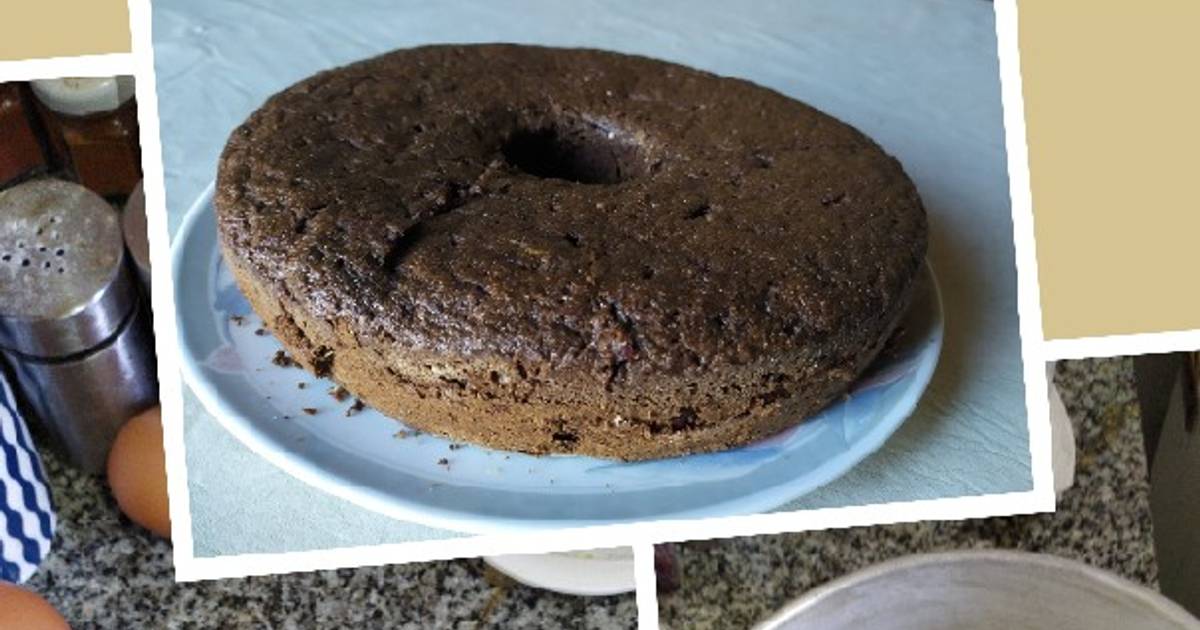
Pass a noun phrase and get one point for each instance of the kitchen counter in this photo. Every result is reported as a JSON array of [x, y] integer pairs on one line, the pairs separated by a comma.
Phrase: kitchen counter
[[1103, 520], [105, 572]]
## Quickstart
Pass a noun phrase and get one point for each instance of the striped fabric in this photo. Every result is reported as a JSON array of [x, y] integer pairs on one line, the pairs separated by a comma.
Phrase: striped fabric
[[26, 513]]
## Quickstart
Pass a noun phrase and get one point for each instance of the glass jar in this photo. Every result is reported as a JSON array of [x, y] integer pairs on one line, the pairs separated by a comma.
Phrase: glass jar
[[21, 153], [93, 123]]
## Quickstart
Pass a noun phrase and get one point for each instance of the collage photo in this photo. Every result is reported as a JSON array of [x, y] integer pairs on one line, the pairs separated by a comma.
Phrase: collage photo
[[791, 314]]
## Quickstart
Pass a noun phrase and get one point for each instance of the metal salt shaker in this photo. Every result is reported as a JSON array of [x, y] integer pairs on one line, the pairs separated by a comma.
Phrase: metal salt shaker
[[72, 325], [133, 223]]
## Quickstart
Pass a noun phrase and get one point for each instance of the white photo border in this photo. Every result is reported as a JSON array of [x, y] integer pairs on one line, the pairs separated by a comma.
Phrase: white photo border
[[106, 65]]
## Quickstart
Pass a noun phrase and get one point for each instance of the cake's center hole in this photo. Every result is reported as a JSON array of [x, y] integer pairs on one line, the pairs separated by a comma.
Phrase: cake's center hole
[[577, 150]]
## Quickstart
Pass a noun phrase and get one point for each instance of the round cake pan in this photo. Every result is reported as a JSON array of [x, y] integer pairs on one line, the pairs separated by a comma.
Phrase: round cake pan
[[983, 590]]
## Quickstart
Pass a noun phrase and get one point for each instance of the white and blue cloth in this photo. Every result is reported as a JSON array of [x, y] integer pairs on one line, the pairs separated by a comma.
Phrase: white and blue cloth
[[26, 514]]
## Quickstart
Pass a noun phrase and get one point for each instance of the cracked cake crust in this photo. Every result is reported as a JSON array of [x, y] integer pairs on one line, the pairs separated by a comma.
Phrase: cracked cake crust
[[565, 250]]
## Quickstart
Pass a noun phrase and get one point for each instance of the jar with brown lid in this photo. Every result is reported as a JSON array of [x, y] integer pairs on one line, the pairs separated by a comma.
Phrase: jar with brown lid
[[93, 122], [21, 153]]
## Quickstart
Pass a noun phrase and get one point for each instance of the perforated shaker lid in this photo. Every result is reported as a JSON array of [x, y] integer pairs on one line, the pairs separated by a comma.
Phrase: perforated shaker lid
[[63, 285]]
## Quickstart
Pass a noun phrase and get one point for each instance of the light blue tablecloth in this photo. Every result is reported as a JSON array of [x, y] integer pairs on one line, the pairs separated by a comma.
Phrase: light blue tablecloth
[[921, 77]]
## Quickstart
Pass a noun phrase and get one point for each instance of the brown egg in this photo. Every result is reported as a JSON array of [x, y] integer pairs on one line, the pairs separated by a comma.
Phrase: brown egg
[[137, 472], [22, 608]]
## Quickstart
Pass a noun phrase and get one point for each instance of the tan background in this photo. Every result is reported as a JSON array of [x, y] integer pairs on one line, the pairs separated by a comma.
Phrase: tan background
[[36, 29], [1112, 108]]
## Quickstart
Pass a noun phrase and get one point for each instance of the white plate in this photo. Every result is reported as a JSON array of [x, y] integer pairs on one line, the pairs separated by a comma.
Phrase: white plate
[[433, 481], [596, 573]]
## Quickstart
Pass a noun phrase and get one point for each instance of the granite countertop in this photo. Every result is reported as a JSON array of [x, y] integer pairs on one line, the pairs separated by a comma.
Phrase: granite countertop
[[105, 572], [1103, 520]]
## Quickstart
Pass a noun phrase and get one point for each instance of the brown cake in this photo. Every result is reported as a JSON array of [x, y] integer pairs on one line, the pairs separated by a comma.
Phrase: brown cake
[[572, 251]]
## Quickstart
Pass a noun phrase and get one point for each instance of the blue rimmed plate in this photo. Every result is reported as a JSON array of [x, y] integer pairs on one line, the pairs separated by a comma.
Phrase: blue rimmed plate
[[371, 460]]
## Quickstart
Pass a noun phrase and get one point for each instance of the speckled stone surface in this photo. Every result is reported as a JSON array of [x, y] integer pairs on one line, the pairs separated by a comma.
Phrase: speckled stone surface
[[1103, 520], [105, 572]]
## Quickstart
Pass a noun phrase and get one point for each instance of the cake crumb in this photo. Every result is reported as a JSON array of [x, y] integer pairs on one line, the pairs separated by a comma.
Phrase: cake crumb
[[261, 332], [282, 359], [763, 160], [444, 462], [301, 385], [353, 410], [400, 435], [310, 411], [455, 446], [339, 393], [237, 320]]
